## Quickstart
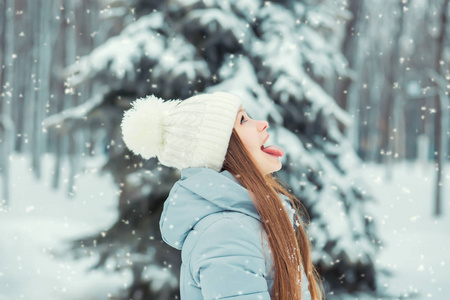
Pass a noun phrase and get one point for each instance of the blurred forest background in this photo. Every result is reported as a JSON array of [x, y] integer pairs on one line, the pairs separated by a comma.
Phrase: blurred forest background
[[341, 82]]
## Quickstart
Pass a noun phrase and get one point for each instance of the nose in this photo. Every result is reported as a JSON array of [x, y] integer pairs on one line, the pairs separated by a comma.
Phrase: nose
[[265, 125]]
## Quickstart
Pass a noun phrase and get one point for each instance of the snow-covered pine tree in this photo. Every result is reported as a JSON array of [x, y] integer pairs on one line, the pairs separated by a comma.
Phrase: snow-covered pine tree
[[281, 57]]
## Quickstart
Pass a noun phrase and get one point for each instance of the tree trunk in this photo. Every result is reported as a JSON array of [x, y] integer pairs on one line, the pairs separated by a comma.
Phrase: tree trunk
[[395, 102], [439, 132]]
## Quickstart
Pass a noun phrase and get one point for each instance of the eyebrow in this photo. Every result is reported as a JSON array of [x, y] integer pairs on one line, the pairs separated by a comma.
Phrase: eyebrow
[[243, 110]]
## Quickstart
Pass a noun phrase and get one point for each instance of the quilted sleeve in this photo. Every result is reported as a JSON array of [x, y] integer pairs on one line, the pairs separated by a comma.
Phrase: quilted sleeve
[[227, 262]]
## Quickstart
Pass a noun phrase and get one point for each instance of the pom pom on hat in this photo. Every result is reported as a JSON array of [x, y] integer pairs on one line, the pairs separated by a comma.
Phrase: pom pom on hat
[[142, 125]]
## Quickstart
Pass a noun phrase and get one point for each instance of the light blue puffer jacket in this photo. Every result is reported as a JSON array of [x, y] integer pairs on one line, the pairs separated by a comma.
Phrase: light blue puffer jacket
[[211, 218]]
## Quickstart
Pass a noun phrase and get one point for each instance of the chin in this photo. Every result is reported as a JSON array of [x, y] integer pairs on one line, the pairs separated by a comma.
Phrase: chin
[[273, 169], [277, 169]]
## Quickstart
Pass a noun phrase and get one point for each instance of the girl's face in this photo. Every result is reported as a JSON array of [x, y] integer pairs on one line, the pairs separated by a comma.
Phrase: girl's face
[[253, 134]]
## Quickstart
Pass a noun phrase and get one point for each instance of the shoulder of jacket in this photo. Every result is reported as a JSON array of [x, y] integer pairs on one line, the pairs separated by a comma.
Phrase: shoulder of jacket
[[218, 217], [225, 225], [225, 228]]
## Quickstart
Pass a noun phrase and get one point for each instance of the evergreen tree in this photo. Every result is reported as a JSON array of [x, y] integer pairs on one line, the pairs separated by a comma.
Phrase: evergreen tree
[[282, 58]]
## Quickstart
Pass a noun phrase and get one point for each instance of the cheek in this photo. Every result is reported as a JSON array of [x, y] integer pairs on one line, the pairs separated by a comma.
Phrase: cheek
[[254, 148], [250, 140]]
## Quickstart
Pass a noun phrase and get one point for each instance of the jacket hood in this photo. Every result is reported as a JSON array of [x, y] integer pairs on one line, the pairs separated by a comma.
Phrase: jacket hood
[[199, 192]]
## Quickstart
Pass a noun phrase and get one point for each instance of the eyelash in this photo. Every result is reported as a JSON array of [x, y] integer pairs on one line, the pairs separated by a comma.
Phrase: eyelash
[[242, 118]]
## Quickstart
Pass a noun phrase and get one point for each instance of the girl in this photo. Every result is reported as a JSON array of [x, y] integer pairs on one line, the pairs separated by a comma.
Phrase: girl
[[235, 223]]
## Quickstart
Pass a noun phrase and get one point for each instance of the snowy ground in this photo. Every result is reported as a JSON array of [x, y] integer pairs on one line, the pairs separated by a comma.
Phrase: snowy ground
[[417, 244], [40, 219]]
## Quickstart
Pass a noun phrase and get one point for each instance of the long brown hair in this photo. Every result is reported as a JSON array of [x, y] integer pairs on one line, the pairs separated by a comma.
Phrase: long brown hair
[[289, 250]]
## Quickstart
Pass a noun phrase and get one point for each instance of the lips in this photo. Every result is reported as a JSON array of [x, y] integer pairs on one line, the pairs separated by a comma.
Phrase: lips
[[262, 146]]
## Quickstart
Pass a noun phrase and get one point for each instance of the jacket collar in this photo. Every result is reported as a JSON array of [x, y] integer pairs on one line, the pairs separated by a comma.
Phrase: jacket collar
[[200, 192], [220, 188]]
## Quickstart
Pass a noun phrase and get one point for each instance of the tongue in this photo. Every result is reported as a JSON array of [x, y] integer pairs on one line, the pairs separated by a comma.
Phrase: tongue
[[274, 150]]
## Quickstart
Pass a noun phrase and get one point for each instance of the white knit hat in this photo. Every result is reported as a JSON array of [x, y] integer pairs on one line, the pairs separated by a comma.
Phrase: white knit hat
[[194, 132]]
